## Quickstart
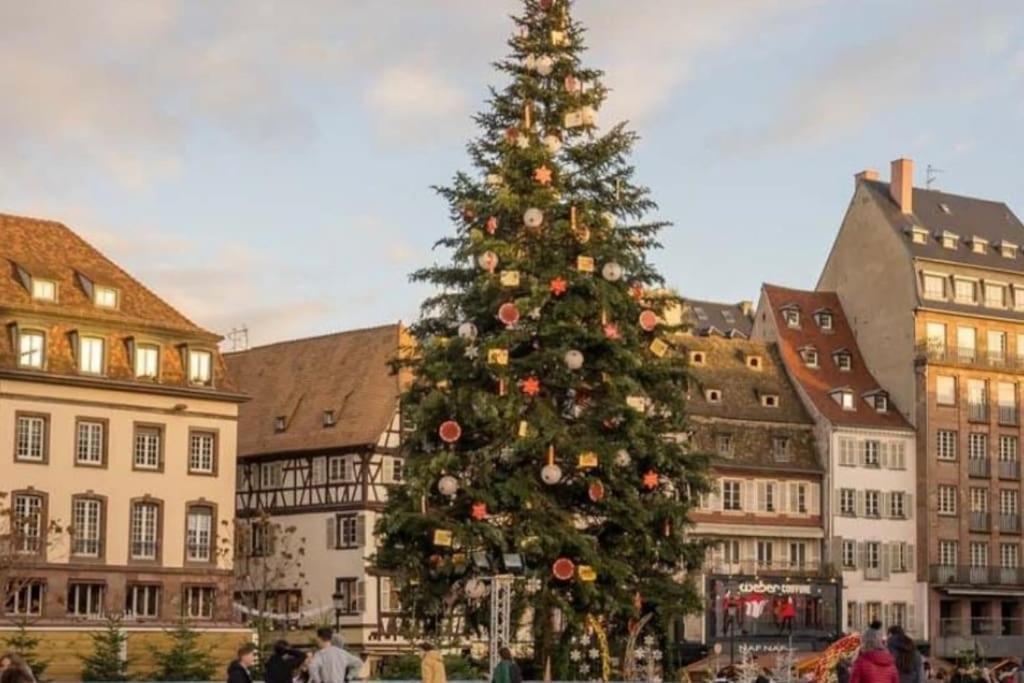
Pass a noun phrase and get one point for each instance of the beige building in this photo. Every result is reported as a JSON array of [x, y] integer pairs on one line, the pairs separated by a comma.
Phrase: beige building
[[117, 448], [933, 286]]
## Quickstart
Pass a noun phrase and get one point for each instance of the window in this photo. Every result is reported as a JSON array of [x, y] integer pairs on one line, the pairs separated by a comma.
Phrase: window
[[202, 453], [339, 468], [87, 526], [797, 554], [346, 595], [900, 559], [872, 555], [86, 599], [713, 395], [148, 449], [754, 362], [847, 452], [977, 446], [897, 455], [997, 347], [396, 472], [977, 399], [90, 442], [979, 245], [946, 445], [347, 531], [847, 502], [24, 598], [844, 361], [950, 240], [731, 552], [261, 539], [824, 319], [147, 361], [44, 290], [27, 522], [765, 551], [881, 402], [965, 291], [390, 598], [1008, 448], [1009, 556], [872, 453], [199, 602], [696, 357], [919, 236], [1009, 502], [945, 390], [845, 399], [280, 423], [145, 522], [935, 337], [979, 499], [898, 615], [897, 505], [948, 552], [731, 495], [90, 355], [791, 316], [934, 286], [979, 554], [30, 438], [995, 295], [872, 504], [105, 297], [769, 400], [810, 357], [1018, 297], [781, 449], [199, 535], [966, 343], [328, 418], [768, 495], [31, 349], [142, 601], [270, 475], [798, 497], [849, 554], [723, 445], [947, 500], [200, 367]]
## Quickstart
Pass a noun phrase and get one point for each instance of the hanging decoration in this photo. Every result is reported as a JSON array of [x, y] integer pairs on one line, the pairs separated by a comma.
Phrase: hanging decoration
[[488, 261], [648, 321], [508, 313], [478, 511], [450, 431], [544, 65], [563, 569], [497, 356], [659, 348], [442, 538], [587, 461], [530, 386], [448, 486], [586, 573], [573, 85], [612, 272], [509, 278], [585, 264], [581, 232], [468, 214], [609, 219], [573, 359], [650, 480], [476, 589], [543, 175], [472, 352], [524, 429], [494, 180], [595, 492], [492, 225], [558, 286], [553, 143], [637, 403], [533, 218], [551, 473], [611, 331], [559, 38], [623, 458], [468, 331]]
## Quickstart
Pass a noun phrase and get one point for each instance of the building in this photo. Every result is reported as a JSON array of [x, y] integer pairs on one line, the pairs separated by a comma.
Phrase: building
[[318, 450], [868, 449], [933, 286], [765, 577], [118, 430], [708, 318]]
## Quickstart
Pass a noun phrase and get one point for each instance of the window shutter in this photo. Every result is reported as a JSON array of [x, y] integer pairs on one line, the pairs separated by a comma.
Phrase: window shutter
[[884, 553], [862, 554], [349, 469], [271, 538], [781, 505], [837, 501], [762, 496], [885, 613], [862, 451], [360, 596], [319, 469], [908, 505], [885, 500], [910, 557], [794, 500], [361, 530], [750, 495], [814, 502], [911, 619], [883, 447], [332, 533], [860, 503], [836, 552]]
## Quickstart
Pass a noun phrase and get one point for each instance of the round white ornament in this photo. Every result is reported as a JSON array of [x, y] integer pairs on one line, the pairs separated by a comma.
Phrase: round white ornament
[[468, 331], [448, 485], [544, 65], [612, 271], [573, 359], [551, 474], [476, 589], [530, 62], [553, 143], [623, 458], [533, 218], [488, 261]]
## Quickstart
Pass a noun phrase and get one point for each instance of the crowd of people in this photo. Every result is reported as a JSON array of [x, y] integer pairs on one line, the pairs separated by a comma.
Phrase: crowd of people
[[329, 663]]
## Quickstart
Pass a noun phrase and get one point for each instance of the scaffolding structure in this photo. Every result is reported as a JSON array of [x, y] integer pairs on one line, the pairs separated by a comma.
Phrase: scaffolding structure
[[501, 616]]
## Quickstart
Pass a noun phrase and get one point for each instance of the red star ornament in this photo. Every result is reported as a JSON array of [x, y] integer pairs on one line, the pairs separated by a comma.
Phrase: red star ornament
[[558, 286], [492, 225], [478, 511], [611, 331], [543, 175], [650, 480], [530, 386]]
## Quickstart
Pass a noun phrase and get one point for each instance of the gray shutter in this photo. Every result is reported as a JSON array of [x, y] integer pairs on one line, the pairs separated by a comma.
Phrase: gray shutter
[[908, 505], [862, 451], [885, 500], [836, 553], [884, 557], [911, 619], [860, 503], [862, 555], [360, 596], [332, 533], [883, 458], [910, 557], [361, 530], [814, 498], [762, 496]]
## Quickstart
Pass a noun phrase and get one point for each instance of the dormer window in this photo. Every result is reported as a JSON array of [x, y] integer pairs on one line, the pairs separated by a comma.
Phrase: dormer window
[[90, 355], [979, 245], [754, 362], [792, 316], [697, 358], [280, 423], [933, 286], [147, 361], [944, 208], [824, 320], [810, 356], [995, 295], [728, 317], [919, 235], [328, 418], [965, 291], [880, 401], [843, 360], [1008, 249], [106, 297], [770, 400], [200, 367], [31, 349], [44, 290], [699, 312], [713, 395], [844, 397], [950, 240]]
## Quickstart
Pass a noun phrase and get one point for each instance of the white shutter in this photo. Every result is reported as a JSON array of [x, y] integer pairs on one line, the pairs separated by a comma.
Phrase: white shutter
[[911, 619], [885, 499], [794, 496], [349, 466], [332, 533], [908, 505], [883, 447], [762, 496], [319, 471], [360, 530], [862, 554], [360, 596], [862, 450], [884, 553], [860, 503], [910, 557], [814, 502]]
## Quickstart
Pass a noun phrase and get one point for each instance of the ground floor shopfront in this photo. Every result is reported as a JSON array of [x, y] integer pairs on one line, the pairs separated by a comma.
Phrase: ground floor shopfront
[[974, 618]]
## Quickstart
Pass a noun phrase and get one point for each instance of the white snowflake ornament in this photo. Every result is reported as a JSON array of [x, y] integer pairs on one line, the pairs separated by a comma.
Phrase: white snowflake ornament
[[575, 655]]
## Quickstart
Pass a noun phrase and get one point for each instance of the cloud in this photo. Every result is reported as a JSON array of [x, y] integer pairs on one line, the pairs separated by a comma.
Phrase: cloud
[[410, 101]]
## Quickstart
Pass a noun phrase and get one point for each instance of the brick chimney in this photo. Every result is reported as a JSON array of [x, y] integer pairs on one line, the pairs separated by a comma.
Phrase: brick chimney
[[866, 174], [901, 185]]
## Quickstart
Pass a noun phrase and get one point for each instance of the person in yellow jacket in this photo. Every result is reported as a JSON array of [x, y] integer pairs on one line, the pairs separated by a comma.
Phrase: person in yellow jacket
[[432, 666]]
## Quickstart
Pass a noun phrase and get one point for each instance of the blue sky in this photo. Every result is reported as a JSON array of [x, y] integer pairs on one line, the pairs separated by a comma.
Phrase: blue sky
[[268, 163]]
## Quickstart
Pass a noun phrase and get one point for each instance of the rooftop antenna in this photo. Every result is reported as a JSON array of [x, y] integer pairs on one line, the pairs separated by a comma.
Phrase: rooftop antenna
[[931, 175], [238, 338]]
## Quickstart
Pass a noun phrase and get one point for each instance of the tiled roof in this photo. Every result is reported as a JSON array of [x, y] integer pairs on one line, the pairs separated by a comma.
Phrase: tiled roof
[[348, 373], [817, 383], [50, 250], [712, 318]]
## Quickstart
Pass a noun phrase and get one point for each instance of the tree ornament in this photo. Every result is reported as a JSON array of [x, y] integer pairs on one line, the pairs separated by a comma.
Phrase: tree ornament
[[509, 278], [563, 569], [596, 492], [573, 359], [442, 538], [472, 352], [448, 486], [553, 143], [450, 431], [585, 264], [611, 331], [558, 286], [587, 574], [609, 219], [494, 180], [559, 38], [511, 134], [543, 175], [478, 511], [523, 141], [468, 331], [544, 65], [497, 356], [530, 386], [551, 474], [530, 62], [488, 261], [648, 321], [468, 214], [612, 271], [506, 454], [492, 225], [651, 480], [508, 313], [546, 5], [533, 218], [659, 348], [623, 458], [573, 84], [476, 589], [587, 461]]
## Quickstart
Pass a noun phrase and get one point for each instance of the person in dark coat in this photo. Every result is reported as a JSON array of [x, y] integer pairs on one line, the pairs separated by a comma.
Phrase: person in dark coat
[[281, 666], [507, 671], [238, 670], [909, 662]]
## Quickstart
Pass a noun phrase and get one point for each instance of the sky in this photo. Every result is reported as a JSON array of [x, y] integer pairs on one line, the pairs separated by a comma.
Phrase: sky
[[268, 163]]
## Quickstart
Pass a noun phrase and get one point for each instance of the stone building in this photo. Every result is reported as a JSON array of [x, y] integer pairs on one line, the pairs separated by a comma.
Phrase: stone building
[[765, 577], [117, 425], [868, 450], [933, 286]]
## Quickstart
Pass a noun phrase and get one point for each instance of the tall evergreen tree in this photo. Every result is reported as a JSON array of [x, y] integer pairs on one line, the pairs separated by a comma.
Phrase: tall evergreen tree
[[546, 398], [105, 662], [22, 643]]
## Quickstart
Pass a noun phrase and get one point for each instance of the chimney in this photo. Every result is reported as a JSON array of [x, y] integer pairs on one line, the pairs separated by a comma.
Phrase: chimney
[[901, 185], [866, 174], [747, 308]]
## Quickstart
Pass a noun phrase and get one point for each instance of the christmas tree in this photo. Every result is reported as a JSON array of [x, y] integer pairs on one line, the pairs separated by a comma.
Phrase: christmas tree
[[106, 661], [547, 401]]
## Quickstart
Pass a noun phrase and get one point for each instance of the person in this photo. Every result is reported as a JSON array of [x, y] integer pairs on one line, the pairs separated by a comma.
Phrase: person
[[13, 661], [909, 662], [432, 665], [281, 666], [874, 664], [13, 673], [507, 670], [332, 663], [239, 669]]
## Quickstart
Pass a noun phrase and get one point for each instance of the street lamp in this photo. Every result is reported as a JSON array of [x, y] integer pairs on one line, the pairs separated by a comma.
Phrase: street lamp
[[340, 605]]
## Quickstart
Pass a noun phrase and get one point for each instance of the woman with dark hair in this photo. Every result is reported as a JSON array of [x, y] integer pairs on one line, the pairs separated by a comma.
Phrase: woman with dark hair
[[283, 663], [16, 671], [909, 662]]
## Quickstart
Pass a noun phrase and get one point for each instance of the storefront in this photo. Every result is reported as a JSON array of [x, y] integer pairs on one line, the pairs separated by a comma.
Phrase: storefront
[[766, 614]]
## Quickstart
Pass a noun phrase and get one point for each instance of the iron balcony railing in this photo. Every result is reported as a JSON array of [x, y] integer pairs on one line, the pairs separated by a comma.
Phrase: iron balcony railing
[[1008, 415], [980, 521], [979, 467], [1009, 523], [996, 637], [1009, 469], [981, 626], [752, 567], [967, 356], [977, 411], [961, 575]]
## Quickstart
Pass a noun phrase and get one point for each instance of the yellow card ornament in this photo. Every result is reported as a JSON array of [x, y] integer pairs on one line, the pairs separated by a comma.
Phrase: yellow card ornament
[[510, 278], [585, 264], [442, 538], [587, 460], [659, 348], [637, 403], [586, 573], [497, 356]]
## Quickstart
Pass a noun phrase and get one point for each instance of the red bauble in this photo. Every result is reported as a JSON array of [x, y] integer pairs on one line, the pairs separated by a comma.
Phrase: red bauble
[[649, 321], [478, 511], [492, 225], [450, 431], [563, 569], [546, 4], [637, 291], [508, 314], [468, 214], [611, 331], [596, 492]]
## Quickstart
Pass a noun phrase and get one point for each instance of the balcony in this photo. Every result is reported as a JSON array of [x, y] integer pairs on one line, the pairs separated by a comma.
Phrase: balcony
[[979, 467], [980, 521], [996, 638], [776, 568], [873, 573], [1009, 523], [969, 357], [977, 411], [949, 575], [1009, 415], [1009, 469]]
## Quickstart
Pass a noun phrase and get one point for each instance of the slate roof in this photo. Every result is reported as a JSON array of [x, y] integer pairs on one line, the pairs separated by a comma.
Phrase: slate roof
[[50, 250], [710, 317], [817, 383], [348, 373]]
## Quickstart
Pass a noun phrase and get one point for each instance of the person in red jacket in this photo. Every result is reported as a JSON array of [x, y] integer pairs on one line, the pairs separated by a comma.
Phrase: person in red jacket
[[874, 664]]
